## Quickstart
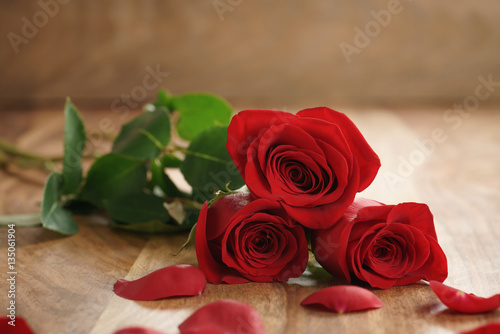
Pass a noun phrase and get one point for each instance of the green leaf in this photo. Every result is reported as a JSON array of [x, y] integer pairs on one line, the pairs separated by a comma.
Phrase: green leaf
[[154, 226], [170, 161], [190, 242], [157, 226], [162, 99], [191, 218], [54, 217], [80, 207], [137, 208], [207, 166], [74, 144], [199, 111], [162, 180], [114, 175], [24, 219], [144, 136], [316, 272]]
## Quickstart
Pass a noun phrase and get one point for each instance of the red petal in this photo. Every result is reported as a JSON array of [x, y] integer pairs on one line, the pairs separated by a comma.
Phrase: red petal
[[245, 127], [20, 325], [415, 214], [464, 302], [492, 328], [224, 316], [215, 271], [173, 281], [368, 160], [137, 330], [343, 299]]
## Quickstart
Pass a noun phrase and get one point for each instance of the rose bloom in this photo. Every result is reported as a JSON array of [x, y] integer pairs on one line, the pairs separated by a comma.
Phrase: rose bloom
[[313, 162], [239, 239], [383, 245]]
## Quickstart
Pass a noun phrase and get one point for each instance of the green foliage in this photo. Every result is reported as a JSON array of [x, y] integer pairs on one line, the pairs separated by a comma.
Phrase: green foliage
[[208, 167], [131, 183], [170, 161], [74, 144], [54, 217], [154, 227], [22, 219], [137, 208], [160, 179], [114, 175], [190, 242], [145, 136], [198, 112], [163, 99]]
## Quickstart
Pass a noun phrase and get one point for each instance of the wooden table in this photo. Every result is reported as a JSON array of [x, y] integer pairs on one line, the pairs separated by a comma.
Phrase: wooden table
[[64, 284]]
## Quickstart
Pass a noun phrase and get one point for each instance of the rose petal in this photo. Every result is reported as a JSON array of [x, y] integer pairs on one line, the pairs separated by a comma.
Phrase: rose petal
[[138, 330], [343, 299], [368, 161], [415, 214], [21, 326], [215, 271], [245, 127], [435, 268], [173, 281], [492, 328], [224, 316], [460, 301], [322, 216]]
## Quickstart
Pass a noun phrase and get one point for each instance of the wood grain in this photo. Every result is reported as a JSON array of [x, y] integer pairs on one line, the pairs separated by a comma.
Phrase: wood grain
[[65, 283], [289, 50]]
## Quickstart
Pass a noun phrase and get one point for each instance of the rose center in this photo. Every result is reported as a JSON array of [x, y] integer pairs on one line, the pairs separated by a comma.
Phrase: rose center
[[260, 243], [386, 249], [300, 175], [380, 252]]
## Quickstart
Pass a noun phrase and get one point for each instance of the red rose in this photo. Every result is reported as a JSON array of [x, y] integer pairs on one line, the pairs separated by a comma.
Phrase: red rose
[[384, 245], [313, 162], [239, 240]]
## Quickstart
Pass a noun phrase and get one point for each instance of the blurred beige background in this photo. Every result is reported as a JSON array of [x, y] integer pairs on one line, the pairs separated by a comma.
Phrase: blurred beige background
[[358, 53]]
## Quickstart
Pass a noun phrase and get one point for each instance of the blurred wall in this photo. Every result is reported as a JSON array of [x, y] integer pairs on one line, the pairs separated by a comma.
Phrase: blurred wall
[[355, 52]]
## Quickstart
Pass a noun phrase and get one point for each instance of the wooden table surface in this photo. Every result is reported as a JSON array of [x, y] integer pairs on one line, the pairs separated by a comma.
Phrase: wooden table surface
[[64, 284]]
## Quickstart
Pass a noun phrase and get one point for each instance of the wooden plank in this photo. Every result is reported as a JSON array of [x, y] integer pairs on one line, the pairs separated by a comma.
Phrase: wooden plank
[[65, 283]]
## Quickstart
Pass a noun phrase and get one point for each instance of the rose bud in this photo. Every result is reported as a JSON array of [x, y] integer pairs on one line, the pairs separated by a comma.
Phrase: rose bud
[[313, 162], [383, 245], [239, 239]]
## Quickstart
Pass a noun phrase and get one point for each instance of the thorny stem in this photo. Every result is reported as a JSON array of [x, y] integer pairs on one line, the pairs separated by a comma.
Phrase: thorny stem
[[9, 153], [198, 154], [11, 149]]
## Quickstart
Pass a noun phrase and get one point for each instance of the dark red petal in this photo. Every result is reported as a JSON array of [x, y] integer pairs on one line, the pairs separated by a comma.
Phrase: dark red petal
[[323, 216], [460, 301], [224, 316], [343, 299], [289, 255], [367, 159], [222, 211], [138, 330], [21, 326], [173, 281], [330, 245], [215, 271], [245, 127], [492, 328]]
